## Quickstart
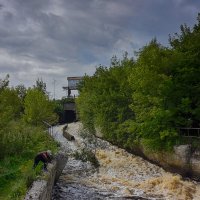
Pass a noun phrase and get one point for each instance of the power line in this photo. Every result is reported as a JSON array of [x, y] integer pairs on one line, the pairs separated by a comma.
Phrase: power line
[[54, 87]]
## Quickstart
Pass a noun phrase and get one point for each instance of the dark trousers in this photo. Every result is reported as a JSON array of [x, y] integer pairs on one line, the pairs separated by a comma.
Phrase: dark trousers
[[39, 158]]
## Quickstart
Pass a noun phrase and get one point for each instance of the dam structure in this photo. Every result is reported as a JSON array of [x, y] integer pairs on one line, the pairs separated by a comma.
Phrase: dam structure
[[70, 111]]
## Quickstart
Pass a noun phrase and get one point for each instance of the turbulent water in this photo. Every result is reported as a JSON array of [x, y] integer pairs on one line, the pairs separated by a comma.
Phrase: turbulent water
[[121, 175]]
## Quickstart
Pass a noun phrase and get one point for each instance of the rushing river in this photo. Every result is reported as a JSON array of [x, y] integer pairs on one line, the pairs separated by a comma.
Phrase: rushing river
[[121, 175]]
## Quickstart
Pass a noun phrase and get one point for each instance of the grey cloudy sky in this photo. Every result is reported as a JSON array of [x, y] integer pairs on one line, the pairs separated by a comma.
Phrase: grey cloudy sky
[[53, 39]]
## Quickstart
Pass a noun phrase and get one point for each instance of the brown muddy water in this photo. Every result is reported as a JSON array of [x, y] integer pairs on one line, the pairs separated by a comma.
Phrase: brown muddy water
[[121, 175]]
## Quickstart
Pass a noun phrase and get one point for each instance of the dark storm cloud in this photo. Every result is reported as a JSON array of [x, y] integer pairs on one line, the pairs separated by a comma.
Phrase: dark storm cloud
[[55, 39]]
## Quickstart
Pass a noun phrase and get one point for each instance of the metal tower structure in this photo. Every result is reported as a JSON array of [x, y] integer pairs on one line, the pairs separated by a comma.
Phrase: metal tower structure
[[72, 84]]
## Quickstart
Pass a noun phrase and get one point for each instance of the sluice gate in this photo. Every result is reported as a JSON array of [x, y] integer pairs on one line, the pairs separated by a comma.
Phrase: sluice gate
[[70, 112]]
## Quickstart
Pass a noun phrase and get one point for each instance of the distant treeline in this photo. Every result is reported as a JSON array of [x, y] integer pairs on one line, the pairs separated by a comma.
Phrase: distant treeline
[[145, 100], [22, 111]]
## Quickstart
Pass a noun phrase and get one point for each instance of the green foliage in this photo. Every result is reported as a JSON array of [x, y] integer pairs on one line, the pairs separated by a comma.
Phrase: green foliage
[[38, 108], [152, 84], [17, 176], [4, 83], [104, 98], [18, 150], [66, 100], [59, 110], [21, 91], [21, 141], [146, 101], [10, 106], [41, 86], [19, 138], [59, 107], [86, 155], [185, 73]]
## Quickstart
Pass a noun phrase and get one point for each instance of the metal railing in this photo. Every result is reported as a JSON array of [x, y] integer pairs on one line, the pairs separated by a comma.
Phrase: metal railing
[[190, 132], [49, 126]]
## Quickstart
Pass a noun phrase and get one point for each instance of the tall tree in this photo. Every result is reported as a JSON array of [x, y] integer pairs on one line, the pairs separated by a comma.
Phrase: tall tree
[[38, 108], [21, 91], [10, 106], [41, 85], [4, 82], [105, 97], [186, 75], [151, 84]]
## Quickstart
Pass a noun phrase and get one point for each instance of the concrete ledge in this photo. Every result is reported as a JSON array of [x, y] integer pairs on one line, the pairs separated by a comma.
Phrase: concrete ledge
[[66, 134], [42, 189], [182, 160]]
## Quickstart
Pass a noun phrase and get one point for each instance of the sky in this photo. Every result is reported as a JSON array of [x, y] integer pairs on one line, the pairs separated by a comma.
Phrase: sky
[[55, 39]]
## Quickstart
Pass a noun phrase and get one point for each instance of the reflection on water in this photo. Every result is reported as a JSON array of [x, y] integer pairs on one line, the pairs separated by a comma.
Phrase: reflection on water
[[121, 175]]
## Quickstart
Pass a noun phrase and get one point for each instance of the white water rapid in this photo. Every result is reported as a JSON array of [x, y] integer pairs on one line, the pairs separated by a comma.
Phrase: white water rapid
[[121, 175]]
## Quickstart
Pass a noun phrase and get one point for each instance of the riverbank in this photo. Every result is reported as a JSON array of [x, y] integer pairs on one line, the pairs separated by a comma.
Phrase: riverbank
[[16, 173], [41, 188], [183, 160]]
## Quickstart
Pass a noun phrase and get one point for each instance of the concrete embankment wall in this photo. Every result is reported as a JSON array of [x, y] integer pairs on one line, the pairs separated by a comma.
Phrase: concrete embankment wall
[[42, 189], [183, 159]]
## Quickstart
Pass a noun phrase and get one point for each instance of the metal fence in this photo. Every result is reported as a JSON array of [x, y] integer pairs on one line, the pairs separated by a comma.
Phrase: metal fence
[[190, 132], [49, 126]]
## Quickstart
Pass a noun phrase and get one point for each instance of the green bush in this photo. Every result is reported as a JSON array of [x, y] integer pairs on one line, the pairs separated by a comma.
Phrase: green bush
[[21, 141], [38, 108], [148, 99], [86, 155], [21, 138]]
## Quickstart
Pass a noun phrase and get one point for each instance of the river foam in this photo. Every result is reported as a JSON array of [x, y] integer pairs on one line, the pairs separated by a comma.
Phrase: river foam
[[120, 175]]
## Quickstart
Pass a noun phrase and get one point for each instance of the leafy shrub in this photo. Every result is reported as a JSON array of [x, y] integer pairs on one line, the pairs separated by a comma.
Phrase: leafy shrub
[[86, 155], [156, 94], [38, 108]]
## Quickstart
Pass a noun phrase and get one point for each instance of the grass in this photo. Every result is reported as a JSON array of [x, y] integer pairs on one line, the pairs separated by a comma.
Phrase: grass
[[16, 173], [16, 177], [12, 177]]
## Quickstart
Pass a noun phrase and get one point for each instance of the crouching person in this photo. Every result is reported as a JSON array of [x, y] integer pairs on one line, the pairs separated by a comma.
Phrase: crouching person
[[45, 157]]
